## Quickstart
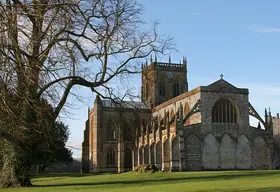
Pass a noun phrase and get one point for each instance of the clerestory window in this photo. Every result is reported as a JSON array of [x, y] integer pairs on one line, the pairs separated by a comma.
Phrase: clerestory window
[[111, 132]]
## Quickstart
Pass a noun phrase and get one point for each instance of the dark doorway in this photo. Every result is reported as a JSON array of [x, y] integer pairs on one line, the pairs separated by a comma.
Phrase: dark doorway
[[127, 159]]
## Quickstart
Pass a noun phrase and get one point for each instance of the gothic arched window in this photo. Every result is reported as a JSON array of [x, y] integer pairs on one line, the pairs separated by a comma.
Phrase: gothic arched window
[[224, 111], [111, 157], [111, 131]]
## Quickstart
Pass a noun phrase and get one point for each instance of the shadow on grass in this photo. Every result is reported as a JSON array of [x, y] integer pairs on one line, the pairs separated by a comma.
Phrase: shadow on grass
[[265, 189], [69, 175], [178, 179]]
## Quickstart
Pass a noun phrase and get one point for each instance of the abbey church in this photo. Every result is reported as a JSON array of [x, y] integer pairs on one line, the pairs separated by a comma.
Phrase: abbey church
[[177, 129]]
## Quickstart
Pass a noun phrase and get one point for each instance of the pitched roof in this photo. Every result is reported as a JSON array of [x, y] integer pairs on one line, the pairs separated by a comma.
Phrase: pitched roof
[[123, 104], [221, 84]]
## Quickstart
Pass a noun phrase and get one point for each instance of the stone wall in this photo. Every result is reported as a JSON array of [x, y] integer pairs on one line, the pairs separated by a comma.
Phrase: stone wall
[[85, 149], [226, 152], [276, 126], [277, 154], [210, 153], [243, 153], [193, 152], [260, 154]]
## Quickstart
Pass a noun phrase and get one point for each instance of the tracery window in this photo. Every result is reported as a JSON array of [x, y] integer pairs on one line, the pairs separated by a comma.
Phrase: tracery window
[[111, 157], [224, 111]]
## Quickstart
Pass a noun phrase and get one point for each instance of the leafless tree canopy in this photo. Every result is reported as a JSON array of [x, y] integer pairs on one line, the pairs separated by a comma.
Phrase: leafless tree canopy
[[49, 46]]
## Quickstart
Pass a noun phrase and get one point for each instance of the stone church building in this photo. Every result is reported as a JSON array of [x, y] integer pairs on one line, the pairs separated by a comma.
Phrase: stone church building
[[206, 128]]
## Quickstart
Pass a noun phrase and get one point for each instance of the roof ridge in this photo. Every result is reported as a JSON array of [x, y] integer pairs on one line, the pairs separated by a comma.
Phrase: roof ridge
[[221, 82]]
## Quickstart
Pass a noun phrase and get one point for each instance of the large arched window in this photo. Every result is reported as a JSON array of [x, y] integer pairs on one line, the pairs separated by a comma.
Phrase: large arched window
[[224, 111], [111, 157]]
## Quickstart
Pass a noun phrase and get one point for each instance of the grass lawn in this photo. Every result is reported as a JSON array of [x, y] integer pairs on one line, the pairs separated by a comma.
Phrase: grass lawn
[[216, 181]]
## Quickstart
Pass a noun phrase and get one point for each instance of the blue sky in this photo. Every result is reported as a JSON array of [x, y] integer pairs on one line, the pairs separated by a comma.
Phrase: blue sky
[[240, 39]]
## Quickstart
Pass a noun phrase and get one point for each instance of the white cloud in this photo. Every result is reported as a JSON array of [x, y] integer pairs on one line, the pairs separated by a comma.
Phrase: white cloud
[[196, 13], [265, 92], [261, 96], [263, 29], [264, 96]]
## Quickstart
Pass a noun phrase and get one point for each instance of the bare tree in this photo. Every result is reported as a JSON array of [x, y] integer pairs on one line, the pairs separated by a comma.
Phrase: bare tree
[[47, 47]]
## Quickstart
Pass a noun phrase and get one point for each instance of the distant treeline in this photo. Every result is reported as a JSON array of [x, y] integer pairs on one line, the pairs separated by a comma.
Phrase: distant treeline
[[74, 167]]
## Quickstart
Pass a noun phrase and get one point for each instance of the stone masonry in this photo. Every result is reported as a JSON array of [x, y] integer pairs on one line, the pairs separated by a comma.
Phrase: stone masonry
[[177, 129]]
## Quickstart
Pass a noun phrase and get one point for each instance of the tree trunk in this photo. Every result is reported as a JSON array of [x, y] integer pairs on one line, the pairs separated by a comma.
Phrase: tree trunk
[[15, 171], [8, 175], [41, 169]]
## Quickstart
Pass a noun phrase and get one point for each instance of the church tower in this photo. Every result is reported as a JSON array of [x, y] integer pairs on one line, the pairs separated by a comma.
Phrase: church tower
[[163, 81]]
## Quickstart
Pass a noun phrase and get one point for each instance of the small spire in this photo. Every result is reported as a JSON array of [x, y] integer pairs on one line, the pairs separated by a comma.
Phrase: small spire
[[265, 115], [184, 61], [142, 65], [169, 59], [155, 58], [270, 117], [151, 58], [146, 61], [259, 125], [222, 76]]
